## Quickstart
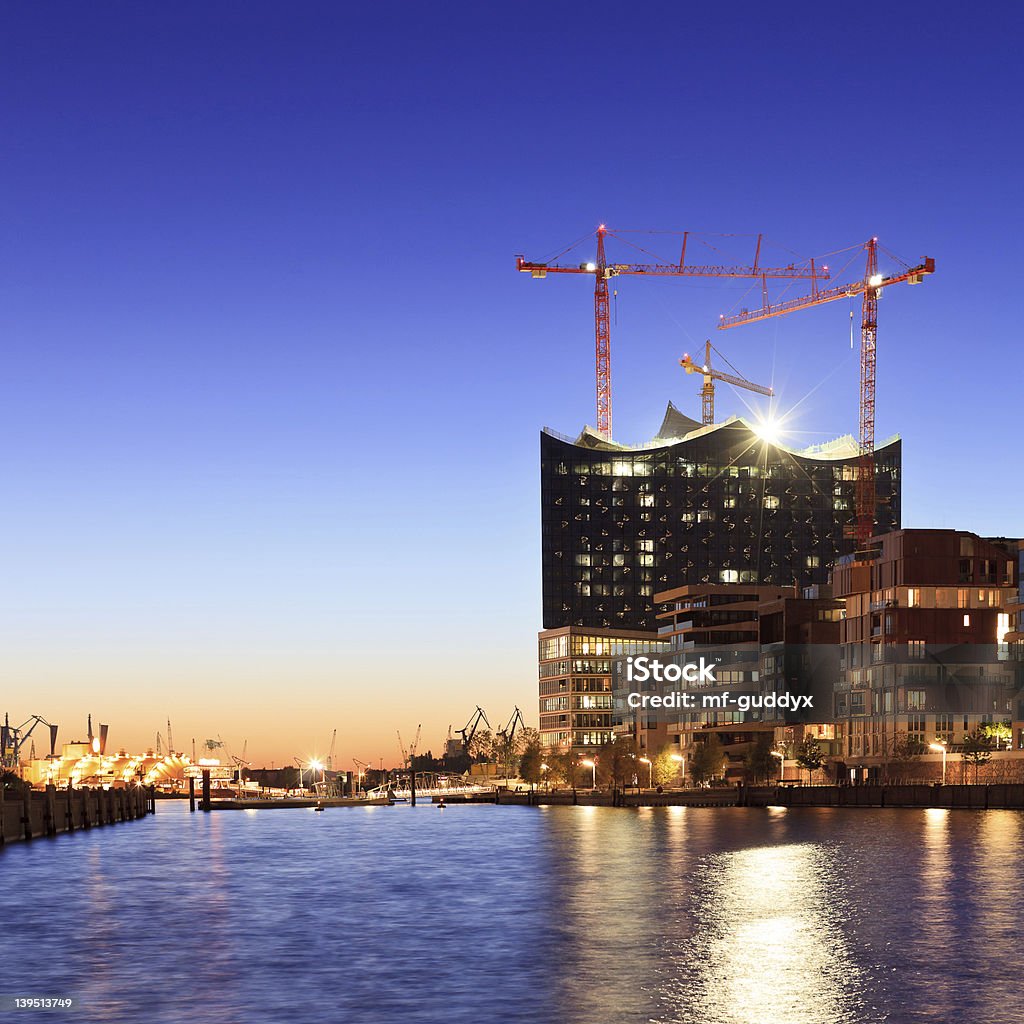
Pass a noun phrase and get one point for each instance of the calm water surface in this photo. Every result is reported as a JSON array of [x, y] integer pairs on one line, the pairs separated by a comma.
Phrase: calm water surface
[[569, 915]]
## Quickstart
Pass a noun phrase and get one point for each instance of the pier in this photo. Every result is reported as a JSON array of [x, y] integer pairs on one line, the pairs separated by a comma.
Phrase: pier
[[270, 803], [32, 814]]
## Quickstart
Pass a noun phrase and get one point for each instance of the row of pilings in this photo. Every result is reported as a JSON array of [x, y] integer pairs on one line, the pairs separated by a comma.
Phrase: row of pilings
[[31, 814]]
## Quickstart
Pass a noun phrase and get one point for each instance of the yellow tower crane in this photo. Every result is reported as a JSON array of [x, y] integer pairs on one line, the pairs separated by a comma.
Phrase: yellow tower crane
[[707, 391]]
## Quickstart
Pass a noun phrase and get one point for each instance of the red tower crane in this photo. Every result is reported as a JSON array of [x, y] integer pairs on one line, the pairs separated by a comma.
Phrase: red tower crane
[[603, 270], [869, 288]]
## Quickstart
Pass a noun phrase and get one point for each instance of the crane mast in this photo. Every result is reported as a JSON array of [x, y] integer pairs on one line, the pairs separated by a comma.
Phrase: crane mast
[[865, 526], [603, 340]]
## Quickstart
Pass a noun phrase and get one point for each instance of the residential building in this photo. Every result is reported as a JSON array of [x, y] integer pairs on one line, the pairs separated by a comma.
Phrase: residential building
[[575, 681], [924, 655], [764, 642]]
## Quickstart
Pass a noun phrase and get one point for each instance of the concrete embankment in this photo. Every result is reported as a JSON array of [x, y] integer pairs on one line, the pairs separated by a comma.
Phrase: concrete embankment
[[34, 813], [997, 796]]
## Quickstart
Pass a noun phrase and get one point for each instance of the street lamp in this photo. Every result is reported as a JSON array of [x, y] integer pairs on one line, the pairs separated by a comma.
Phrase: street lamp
[[545, 768], [937, 747], [593, 766], [682, 770], [650, 771], [782, 763]]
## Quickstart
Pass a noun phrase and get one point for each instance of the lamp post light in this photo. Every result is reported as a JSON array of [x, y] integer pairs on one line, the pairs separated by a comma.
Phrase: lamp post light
[[937, 747], [650, 771], [782, 763], [592, 765], [545, 769], [682, 768]]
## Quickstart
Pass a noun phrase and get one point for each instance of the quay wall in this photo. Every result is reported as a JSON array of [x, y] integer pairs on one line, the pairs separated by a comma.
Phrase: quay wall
[[1007, 796], [997, 796], [35, 813]]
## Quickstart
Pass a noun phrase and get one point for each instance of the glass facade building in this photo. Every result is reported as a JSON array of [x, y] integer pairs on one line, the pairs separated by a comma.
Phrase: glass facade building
[[575, 670], [698, 505]]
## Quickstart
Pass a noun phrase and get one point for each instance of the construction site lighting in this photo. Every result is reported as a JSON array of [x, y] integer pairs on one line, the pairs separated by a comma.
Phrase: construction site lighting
[[768, 430]]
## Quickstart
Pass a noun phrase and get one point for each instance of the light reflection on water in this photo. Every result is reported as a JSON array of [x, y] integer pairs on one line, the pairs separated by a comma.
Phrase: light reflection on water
[[560, 915], [770, 946]]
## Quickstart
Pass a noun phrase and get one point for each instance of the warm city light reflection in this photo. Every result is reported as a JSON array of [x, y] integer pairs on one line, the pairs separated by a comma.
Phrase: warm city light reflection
[[767, 915]]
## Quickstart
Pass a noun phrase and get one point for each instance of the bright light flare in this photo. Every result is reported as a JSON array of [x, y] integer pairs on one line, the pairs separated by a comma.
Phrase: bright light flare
[[769, 430]]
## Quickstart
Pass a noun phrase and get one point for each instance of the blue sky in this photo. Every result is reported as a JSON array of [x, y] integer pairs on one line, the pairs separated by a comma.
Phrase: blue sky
[[272, 386]]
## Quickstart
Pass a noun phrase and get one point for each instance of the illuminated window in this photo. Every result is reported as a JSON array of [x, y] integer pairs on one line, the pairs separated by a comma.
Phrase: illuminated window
[[967, 620], [1002, 627]]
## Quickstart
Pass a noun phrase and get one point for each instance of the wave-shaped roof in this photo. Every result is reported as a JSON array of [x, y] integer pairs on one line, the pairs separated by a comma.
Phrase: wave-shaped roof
[[677, 426]]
